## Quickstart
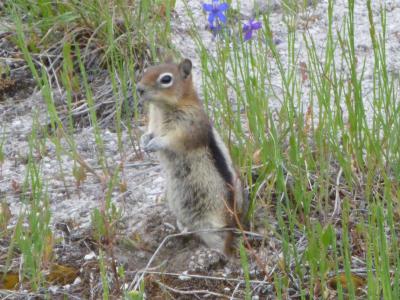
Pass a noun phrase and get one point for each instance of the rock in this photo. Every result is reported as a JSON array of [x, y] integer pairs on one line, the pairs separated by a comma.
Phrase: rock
[[206, 260]]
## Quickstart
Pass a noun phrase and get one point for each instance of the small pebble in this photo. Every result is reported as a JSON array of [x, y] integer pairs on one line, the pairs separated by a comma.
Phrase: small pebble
[[77, 281], [90, 256], [53, 289]]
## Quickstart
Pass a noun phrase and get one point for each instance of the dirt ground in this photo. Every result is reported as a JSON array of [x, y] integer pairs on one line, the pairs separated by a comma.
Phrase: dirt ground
[[145, 220]]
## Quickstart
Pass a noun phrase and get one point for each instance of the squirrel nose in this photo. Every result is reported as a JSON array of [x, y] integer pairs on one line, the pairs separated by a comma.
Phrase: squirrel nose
[[140, 90]]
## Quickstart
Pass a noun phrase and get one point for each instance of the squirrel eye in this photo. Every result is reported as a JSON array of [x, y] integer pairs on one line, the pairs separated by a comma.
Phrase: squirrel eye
[[166, 79]]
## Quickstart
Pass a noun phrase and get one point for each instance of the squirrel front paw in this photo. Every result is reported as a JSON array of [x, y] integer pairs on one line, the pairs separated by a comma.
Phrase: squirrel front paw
[[155, 144], [145, 139]]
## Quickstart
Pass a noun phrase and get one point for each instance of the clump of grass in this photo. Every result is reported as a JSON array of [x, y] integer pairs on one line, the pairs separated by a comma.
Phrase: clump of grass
[[97, 27], [113, 41], [90, 52], [109, 102], [322, 164], [32, 234]]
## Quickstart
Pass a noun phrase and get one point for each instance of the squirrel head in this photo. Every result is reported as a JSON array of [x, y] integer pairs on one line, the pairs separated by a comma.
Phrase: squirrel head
[[167, 84]]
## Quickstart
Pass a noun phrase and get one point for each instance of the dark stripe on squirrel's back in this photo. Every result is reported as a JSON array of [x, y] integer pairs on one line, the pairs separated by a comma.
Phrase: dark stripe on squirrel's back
[[221, 165]]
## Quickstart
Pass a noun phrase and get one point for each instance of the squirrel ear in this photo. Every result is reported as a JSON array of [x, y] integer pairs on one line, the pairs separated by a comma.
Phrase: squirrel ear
[[185, 68]]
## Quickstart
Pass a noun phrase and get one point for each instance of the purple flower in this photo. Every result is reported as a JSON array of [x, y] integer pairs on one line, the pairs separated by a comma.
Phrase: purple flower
[[249, 28], [216, 11]]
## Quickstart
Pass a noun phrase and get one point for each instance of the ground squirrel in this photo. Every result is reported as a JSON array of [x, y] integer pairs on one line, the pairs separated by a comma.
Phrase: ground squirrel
[[203, 188]]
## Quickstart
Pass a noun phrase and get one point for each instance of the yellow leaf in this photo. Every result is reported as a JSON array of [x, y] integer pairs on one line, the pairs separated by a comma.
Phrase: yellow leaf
[[63, 275], [8, 281], [357, 281]]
